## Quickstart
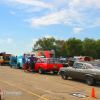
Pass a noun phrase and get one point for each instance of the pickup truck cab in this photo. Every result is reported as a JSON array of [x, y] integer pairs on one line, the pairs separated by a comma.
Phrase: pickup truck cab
[[47, 64]]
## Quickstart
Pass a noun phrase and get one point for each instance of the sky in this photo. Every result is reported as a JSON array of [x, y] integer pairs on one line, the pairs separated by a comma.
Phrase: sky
[[23, 22]]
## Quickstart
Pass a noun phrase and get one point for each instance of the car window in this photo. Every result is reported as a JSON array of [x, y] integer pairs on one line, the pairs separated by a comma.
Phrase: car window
[[96, 65], [71, 63], [50, 61], [57, 61], [79, 66], [89, 66], [84, 66], [43, 61], [74, 64], [38, 61]]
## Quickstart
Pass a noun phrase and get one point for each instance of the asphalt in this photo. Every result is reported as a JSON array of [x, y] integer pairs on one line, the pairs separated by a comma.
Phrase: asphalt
[[18, 85]]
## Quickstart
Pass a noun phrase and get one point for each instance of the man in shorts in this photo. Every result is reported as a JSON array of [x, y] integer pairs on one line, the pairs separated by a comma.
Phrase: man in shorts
[[23, 62], [31, 64]]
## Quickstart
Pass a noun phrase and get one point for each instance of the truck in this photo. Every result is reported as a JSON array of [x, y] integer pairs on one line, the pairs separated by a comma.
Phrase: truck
[[42, 54], [86, 58], [4, 58]]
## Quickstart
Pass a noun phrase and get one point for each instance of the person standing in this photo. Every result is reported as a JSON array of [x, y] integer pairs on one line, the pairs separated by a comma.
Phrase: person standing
[[23, 62], [68, 64], [31, 64]]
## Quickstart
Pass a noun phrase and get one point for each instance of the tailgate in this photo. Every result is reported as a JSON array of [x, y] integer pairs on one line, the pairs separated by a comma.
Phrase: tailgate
[[54, 64]]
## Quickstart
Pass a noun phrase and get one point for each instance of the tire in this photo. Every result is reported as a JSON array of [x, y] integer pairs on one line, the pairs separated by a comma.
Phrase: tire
[[90, 80], [64, 75], [41, 70], [55, 72], [11, 66], [8, 64], [18, 65]]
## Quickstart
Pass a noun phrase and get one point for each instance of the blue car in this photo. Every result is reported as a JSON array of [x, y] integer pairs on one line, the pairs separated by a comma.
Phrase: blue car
[[16, 61]]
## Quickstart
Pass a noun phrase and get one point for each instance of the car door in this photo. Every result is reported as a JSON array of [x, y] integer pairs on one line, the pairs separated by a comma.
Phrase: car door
[[37, 64], [44, 64], [77, 71], [51, 64], [13, 61], [83, 71]]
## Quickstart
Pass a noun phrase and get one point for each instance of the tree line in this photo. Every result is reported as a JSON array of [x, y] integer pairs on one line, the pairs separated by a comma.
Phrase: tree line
[[69, 48]]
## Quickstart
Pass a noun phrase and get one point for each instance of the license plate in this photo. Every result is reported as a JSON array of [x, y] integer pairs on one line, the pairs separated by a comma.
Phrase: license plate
[[54, 66]]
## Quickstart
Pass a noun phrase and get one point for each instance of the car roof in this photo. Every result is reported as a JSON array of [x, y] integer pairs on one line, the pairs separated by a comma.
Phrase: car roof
[[46, 58], [89, 62]]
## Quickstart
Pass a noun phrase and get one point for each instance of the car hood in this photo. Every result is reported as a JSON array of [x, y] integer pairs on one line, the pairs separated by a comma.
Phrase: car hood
[[95, 71]]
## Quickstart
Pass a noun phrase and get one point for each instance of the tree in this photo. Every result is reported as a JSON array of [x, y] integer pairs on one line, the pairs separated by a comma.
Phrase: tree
[[61, 48], [74, 47], [98, 48], [90, 47], [45, 44]]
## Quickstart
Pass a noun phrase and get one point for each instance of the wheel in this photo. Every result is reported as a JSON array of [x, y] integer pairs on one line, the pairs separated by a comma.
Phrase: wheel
[[64, 75], [8, 64], [11, 66], [90, 80], [18, 65], [55, 72], [41, 70]]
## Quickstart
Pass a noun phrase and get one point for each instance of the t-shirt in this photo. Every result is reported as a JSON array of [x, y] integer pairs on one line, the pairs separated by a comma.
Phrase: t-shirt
[[23, 60], [31, 59]]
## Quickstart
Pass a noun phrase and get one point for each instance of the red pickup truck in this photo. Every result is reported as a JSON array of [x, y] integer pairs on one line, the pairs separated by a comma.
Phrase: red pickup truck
[[47, 64]]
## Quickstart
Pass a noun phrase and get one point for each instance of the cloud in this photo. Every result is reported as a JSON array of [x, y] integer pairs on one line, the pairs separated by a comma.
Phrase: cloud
[[12, 12], [9, 40], [4, 34], [84, 4], [65, 12], [33, 42], [77, 30], [32, 2], [34, 9], [47, 36], [1, 41], [62, 17], [97, 23]]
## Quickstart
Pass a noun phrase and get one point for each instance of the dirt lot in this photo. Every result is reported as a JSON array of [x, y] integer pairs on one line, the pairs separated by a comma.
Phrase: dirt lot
[[18, 85]]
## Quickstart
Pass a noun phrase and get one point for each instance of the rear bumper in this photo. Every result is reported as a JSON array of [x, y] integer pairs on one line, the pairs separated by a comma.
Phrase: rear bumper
[[4, 62], [52, 70]]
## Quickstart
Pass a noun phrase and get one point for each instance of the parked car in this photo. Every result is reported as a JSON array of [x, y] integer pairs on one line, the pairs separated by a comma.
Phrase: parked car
[[47, 64], [64, 60], [70, 61], [88, 71]]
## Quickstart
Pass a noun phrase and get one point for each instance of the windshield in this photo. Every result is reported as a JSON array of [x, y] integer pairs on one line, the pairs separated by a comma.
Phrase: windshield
[[56, 61], [7, 55], [96, 65], [87, 58]]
